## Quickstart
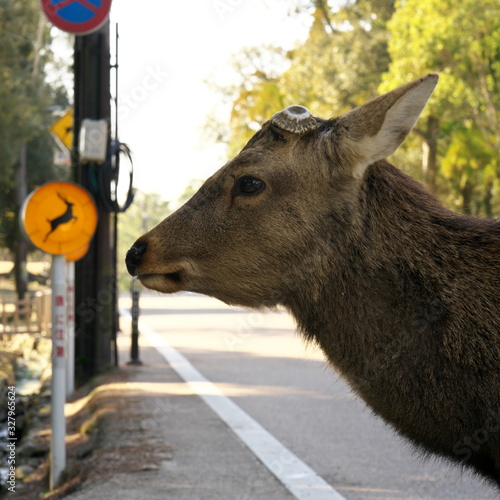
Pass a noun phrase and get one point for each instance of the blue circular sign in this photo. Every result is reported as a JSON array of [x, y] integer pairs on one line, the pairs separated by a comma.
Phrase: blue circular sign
[[79, 17]]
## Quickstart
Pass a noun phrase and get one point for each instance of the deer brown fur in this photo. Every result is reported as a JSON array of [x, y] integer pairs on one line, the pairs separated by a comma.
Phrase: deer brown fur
[[401, 294]]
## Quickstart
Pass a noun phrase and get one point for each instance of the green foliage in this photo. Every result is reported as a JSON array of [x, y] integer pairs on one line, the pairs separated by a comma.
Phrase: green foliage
[[471, 166], [460, 40], [363, 47], [340, 64], [256, 96], [338, 67]]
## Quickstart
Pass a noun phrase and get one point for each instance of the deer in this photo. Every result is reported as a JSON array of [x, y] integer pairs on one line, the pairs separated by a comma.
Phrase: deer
[[67, 216], [401, 294]]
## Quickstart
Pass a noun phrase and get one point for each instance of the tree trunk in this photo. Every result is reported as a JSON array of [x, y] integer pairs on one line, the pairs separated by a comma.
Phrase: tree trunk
[[467, 197], [488, 199], [20, 259], [21, 256]]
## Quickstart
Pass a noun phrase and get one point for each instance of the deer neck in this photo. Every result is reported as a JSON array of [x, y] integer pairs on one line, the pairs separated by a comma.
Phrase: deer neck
[[379, 295]]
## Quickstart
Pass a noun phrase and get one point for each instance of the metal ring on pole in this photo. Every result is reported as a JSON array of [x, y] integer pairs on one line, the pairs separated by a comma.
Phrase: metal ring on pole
[[109, 173]]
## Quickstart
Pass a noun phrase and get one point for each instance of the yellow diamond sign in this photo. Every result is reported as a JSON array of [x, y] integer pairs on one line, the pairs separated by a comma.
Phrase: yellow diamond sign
[[62, 129]]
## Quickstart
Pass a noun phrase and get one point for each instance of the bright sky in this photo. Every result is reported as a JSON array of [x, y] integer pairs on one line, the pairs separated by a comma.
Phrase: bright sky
[[167, 49]]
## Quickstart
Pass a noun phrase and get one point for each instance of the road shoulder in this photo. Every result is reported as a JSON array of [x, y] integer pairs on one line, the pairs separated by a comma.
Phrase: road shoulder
[[151, 438]]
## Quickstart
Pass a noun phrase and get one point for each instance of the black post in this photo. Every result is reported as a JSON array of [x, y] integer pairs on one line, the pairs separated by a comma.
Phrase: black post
[[134, 347], [95, 300]]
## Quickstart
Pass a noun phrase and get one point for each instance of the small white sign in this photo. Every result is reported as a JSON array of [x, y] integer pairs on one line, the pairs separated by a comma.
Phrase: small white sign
[[93, 141]]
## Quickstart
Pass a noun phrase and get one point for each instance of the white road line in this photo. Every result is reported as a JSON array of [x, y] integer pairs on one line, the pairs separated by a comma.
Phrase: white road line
[[302, 482]]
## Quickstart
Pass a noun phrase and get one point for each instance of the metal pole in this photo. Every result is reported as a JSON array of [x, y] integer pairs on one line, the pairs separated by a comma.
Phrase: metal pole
[[94, 318], [70, 295], [58, 445], [134, 348]]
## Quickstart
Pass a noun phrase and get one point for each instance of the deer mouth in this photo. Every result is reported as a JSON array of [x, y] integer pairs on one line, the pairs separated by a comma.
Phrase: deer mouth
[[169, 282], [175, 277]]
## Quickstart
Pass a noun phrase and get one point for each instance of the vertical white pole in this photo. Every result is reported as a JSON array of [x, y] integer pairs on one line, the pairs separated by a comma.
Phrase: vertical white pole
[[58, 445], [70, 350]]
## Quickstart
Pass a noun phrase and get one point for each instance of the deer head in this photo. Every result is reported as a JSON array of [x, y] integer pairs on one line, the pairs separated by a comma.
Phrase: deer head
[[277, 214]]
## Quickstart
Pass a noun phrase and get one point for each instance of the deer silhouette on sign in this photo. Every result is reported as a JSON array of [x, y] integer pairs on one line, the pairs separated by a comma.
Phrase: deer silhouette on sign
[[67, 216]]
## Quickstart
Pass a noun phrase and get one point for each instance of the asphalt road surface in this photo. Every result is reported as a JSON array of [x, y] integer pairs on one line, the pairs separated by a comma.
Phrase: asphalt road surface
[[260, 362]]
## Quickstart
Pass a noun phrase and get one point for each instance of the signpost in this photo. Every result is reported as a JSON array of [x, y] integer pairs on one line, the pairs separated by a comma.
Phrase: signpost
[[79, 17], [70, 327], [63, 221], [59, 218], [70, 324], [58, 391]]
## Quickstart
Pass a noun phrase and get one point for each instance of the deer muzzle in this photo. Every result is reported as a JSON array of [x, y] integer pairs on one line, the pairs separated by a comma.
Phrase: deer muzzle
[[166, 278]]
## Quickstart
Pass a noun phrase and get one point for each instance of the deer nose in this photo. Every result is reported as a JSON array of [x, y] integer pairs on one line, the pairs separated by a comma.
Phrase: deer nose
[[133, 257]]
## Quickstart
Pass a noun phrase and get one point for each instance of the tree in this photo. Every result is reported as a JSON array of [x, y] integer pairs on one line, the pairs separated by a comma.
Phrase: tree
[[461, 40], [338, 67], [471, 167], [364, 47], [25, 96]]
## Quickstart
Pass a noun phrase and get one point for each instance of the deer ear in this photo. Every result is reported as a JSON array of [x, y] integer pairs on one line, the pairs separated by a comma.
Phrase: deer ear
[[375, 129]]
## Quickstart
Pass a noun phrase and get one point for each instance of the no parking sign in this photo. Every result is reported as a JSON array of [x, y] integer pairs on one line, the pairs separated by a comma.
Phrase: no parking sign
[[79, 17]]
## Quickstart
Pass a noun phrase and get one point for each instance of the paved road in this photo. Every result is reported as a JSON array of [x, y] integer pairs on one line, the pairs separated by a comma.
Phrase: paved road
[[259, 361]]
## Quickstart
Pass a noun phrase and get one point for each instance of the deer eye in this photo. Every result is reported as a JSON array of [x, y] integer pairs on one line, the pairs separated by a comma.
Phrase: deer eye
[[248, 186]]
